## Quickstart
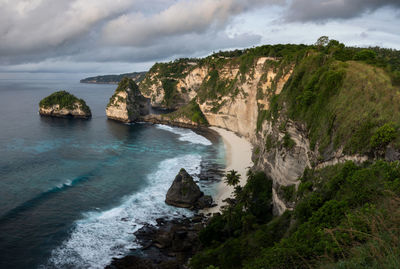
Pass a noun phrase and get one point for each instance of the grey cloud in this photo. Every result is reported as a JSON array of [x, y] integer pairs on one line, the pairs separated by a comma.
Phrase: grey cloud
[[183, 17], [188, 45], [37, 25], [323, 10], [191, 45], [33, 31]]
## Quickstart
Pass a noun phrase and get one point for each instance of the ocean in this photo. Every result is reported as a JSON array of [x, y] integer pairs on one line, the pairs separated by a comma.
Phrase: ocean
[[73, 192]]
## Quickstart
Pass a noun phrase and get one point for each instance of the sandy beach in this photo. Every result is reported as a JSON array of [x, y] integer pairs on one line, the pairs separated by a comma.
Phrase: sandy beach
[[238, 157]]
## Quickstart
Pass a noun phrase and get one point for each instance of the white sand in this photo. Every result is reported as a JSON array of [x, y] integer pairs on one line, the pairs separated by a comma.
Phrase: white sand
[[238, 157]]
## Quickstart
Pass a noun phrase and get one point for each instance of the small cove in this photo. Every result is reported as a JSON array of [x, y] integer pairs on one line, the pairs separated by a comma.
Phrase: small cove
[[79, 189]]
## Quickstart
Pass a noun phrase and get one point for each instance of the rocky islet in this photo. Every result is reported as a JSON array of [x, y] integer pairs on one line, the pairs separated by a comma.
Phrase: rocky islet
[[62, 104]]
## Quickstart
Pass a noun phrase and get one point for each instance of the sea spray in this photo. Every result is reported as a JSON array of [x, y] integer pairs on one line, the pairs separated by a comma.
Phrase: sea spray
[[99, 236], [186, 135]]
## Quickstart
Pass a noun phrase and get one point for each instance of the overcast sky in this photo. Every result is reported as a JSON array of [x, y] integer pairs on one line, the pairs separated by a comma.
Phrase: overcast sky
[[116, 36]]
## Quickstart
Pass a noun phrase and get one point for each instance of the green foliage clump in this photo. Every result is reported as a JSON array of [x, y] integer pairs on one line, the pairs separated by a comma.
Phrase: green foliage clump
[[246, 62], [229, 236], [288, 142], [270, 142], [332, 226], [171, 95], [232, 178], [190, 111], [65, 100], [261, 117], [365, 55], [123, 85], [127, 83], [383, 136], [288, 192]]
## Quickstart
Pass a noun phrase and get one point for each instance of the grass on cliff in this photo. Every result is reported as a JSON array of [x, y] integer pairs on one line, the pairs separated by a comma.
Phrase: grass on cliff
[[123, 85], [332, 225], [168, 74], [214, 87], [344, 104], [190, 112], [65, 100]]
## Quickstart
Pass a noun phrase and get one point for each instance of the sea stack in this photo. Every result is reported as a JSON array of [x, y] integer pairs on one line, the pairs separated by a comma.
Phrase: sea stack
[[127, 103], [62, 104], [185, 193]]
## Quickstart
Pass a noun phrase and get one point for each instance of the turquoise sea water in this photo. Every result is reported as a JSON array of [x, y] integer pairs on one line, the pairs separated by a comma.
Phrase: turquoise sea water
[[72, 192]]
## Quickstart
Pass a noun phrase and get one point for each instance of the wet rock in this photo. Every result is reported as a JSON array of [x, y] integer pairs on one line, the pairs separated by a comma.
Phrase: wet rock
[[205, 201], [183, 192]]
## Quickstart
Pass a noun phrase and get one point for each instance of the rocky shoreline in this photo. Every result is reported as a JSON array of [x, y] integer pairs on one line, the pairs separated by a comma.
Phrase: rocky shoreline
[[169, 244], [172, 242]]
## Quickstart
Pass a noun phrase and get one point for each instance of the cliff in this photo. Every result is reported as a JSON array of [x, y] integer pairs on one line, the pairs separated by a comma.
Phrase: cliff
[[64, 105], [300, 106], [127, 103]]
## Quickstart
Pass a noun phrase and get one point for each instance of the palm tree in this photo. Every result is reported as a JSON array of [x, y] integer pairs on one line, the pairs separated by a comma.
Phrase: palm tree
[[232, 178]]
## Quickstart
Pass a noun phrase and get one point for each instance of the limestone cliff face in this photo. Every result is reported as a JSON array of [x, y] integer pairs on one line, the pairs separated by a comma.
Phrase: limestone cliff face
[[190, 84], [127, 104], [56, 111], [232, 97], [286, 161], [156, 86], [239, 114]]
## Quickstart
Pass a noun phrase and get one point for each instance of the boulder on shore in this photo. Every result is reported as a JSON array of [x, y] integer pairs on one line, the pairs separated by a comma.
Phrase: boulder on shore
[[185, 193], [62, 104], [127, 103]]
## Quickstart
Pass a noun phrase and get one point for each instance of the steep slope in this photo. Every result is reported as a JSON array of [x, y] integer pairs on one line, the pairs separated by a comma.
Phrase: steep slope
[[324, 122], [300, 106], [127, 103]]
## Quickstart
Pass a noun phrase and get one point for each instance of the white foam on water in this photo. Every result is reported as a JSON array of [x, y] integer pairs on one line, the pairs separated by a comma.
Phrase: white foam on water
[[100, 236], [186, 135], [67, 183]]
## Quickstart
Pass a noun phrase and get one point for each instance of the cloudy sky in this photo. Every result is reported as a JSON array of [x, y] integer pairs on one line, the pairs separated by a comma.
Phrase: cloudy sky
[[115, 36]]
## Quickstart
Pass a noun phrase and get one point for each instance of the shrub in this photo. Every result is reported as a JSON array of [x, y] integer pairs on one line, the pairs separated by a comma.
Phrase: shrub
[[288, 192], [383, 136], [365, 55], [288, 142]]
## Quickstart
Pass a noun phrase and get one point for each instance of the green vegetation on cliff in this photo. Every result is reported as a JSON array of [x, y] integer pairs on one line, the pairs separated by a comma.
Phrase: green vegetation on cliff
[[332, 226], [64, 100], [346, 215], [168, 74], [343, 103], [190, 112], [123, 85], [114, 79], [215, 86]]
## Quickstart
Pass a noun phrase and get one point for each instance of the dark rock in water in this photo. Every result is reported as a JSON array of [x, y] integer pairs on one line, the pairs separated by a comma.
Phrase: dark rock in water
[[168, 245], [131, 262], [205, 201], [183, 192]]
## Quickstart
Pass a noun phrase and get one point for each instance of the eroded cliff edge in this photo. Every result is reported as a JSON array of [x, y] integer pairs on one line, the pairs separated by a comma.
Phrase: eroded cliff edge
[[127, 103], [300, 108]]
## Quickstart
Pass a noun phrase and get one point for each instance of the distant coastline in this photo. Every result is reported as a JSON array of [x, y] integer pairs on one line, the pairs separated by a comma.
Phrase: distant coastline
[[114, 79]]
